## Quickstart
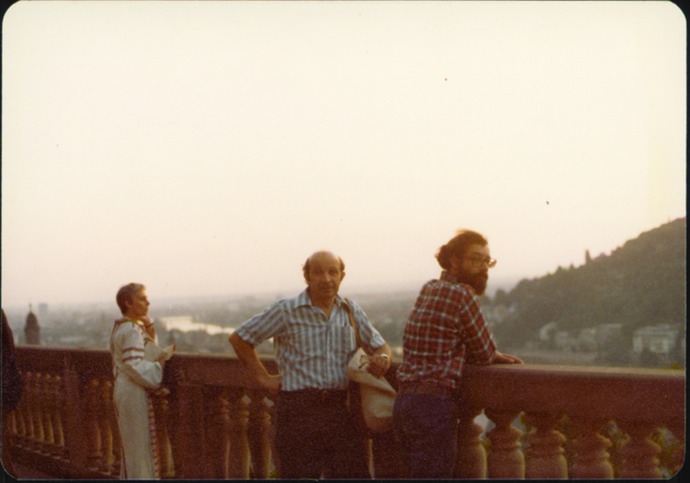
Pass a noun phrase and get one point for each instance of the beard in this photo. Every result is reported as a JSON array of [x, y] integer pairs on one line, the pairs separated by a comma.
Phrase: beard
[[477, 281]]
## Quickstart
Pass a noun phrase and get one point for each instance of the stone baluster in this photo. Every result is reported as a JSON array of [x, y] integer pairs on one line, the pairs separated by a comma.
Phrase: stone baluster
[[111, 416], [191, 431], [39, 411], [93, 429], [116, 441], [76, 429], [640, 454], [12, 427], [20, 419], [471, 460], [238, 445], [591, 458], [56, 395], [35, 412], [47, 407], [258, 434], [505, 459], [162, 414], [677, 428], [545, 454], [103, 415], [218, 423], [270, 405], [28, 408]]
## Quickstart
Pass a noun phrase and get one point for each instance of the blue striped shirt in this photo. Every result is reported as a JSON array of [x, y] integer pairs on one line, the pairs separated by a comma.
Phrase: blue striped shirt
[[311, 350]]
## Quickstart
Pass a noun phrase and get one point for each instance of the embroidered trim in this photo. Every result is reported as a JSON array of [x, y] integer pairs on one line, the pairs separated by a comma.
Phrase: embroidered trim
[[133, 358], [127, 349], [153, 437]]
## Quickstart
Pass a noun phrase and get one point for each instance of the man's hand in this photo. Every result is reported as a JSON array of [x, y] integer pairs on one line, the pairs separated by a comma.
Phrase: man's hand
[[246, 353], [501, 358], [380, 361], [271, 383], [379, 364]]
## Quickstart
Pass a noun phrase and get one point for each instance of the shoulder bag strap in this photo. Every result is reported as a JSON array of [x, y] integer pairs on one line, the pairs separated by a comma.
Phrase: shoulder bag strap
[[350, 315]]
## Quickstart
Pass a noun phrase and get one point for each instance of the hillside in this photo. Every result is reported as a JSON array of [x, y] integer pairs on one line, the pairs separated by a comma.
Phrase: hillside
[[639, 284]]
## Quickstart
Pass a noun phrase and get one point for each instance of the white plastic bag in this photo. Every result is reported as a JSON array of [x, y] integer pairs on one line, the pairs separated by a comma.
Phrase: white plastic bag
[[376, 393]]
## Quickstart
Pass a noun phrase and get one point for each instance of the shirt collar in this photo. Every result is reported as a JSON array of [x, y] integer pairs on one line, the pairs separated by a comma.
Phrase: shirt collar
[[304, 299], [123, 319], [446, 276]]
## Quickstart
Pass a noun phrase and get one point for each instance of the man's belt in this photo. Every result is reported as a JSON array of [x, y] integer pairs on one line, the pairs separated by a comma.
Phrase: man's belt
[[316, 395], [428, 388]]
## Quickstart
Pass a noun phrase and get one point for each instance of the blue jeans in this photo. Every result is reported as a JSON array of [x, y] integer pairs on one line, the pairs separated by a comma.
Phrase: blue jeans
[[426, 430]]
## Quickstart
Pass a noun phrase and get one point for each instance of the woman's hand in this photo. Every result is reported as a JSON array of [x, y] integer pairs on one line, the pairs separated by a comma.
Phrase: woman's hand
[[149, 328]]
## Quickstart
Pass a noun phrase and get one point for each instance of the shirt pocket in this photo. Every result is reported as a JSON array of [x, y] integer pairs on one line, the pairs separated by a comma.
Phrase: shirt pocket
[[307, 340], [343, 341]]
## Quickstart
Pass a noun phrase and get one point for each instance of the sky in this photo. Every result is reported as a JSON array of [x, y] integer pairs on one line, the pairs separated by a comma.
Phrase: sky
[[208, 148]]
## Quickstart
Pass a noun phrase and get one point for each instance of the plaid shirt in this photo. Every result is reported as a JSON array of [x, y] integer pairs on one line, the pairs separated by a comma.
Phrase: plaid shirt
[[445, 330]]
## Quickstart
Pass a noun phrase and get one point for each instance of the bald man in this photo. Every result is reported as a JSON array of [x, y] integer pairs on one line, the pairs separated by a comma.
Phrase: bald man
[[315, 433]]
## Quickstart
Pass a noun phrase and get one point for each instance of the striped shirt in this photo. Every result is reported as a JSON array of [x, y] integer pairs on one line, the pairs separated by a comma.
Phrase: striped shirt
[[445, 330], [311, 350]]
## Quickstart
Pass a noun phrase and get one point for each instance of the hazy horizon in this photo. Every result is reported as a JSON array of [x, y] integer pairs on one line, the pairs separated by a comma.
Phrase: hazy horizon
[[372, 289], [210, 147], [267, 294]]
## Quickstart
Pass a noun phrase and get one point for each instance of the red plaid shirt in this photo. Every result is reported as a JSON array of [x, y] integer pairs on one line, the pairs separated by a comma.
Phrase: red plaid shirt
[[445, 330]]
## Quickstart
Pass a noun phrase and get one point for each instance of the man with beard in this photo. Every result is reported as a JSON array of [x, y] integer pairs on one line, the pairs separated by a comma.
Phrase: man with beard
[[444, 331], [315, 433]]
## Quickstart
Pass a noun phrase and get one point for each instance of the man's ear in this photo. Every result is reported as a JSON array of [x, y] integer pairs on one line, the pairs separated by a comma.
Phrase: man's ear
[[342, 276], [455, 264]]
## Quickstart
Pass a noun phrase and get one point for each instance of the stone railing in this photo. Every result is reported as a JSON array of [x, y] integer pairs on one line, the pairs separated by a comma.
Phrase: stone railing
[[517, 421]]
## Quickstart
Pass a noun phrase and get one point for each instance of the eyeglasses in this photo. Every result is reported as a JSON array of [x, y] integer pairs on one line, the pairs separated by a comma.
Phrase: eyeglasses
[[478, 261]]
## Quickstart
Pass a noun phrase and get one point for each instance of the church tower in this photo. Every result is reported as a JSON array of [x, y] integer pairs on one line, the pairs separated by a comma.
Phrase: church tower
[[32, 331]]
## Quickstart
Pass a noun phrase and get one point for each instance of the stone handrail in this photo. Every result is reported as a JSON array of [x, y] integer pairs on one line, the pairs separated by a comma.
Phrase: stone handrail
[[213, 422], [637, 401]]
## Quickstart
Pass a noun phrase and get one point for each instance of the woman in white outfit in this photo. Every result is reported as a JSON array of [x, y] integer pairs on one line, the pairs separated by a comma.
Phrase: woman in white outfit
[[135, 380]]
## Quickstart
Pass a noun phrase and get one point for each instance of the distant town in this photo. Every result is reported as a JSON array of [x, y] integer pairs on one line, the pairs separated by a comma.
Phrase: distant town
[[203, 326]]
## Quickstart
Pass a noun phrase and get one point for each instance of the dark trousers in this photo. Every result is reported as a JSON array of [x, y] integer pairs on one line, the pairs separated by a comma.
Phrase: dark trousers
[[426, 430], [316, 436]]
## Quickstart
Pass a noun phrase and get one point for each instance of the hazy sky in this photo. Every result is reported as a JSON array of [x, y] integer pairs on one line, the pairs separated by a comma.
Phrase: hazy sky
[[207, 148]]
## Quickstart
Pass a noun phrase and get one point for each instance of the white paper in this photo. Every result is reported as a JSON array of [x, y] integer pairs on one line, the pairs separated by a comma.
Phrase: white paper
[[153, 352]]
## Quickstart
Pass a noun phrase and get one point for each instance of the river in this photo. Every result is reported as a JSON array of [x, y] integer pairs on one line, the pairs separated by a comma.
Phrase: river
[[185, 323]]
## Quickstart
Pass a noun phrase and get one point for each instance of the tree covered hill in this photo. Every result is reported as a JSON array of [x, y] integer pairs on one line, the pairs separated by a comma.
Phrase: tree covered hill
[[639, 284]]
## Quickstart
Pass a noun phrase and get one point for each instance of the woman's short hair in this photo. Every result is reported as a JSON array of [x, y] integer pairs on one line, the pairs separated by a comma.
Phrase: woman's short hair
[[458, 245], [126, 294]]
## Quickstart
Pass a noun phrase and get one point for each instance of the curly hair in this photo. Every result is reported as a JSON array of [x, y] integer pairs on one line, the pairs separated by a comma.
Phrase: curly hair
[[457, 246]]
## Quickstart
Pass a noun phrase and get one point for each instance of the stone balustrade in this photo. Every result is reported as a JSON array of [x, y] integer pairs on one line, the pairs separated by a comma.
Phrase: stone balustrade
[[524, 421]]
